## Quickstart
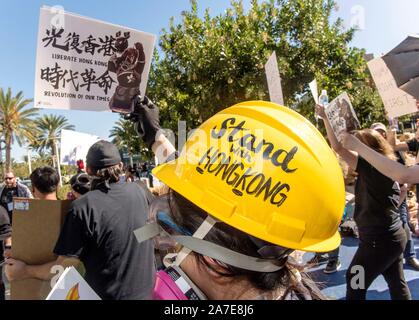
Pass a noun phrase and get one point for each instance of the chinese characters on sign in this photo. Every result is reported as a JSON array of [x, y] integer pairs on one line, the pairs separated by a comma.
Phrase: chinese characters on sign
[[105, 45], [58, 78], [90, 65]]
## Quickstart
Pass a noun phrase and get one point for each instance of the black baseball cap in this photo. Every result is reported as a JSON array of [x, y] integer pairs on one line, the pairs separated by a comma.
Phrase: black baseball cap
[[102, 154]]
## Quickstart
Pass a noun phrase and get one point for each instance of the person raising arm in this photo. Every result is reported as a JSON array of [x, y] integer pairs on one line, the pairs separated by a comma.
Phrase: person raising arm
[[348, 156], [377, 215], [386, 166]]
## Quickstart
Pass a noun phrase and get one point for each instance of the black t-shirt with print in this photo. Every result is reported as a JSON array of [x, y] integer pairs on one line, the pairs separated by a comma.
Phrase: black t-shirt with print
[[413, 145], [7, 197], [99, 231], [376, 201], [5, 231]]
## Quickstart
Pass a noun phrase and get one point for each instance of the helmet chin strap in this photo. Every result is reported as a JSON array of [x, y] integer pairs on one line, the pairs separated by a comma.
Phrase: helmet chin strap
[[206, 248], [200, 233]]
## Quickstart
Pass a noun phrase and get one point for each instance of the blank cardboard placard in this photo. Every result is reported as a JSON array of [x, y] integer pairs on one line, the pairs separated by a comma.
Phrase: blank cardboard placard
[[36, 227], [274, 80]]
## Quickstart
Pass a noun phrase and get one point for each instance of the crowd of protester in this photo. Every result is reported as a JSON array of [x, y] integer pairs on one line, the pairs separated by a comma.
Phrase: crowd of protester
[[119, 223]]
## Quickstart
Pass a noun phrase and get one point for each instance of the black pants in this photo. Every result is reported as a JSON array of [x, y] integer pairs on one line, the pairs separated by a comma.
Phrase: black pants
[[2, 287], [378, 256], [2, 291]]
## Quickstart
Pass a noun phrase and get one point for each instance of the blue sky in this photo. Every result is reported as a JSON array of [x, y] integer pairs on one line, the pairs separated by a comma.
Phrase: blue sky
[[385, 23]]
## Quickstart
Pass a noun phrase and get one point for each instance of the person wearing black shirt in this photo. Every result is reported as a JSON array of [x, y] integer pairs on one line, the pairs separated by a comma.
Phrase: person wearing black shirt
[[411, 145], [409, 252], [99, 231], [5, 232], [12, 188], [382, 237]]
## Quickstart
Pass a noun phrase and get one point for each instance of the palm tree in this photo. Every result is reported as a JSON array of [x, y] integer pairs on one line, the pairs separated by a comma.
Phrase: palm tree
[[125, 137], [49, 127], [16, 123]]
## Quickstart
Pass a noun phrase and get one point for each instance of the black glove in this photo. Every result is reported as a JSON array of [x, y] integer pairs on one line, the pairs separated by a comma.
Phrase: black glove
[[146, 119]]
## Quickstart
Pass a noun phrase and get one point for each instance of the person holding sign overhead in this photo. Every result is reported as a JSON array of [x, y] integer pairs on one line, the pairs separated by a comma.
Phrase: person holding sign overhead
[[382, 237]]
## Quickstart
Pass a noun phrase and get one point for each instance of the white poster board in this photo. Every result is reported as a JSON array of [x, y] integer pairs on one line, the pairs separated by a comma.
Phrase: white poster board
[[86, 64], [72, 286], [341, 115], [75, 145], [274, 80], [314, 90], [396, 101]]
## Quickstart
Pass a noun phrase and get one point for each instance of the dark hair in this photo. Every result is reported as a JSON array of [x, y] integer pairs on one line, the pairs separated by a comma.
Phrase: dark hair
[[80, 183], [188, 216], [45, 179], [109, 175]]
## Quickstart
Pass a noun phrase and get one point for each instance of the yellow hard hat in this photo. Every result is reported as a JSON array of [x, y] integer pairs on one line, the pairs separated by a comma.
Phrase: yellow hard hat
[[265, 170]]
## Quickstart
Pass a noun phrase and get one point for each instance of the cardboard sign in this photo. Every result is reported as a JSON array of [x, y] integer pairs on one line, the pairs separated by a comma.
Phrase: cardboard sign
[[341, 115], [75, 145], [403, 64], [35, 230], [72, 286], [368, 57], [314, 90], [396, 101], [86, 64], [274, 80]]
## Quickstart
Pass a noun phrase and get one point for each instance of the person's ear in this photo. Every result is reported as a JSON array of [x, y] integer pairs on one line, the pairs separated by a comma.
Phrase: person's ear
[[214, 268], [121, 165], [88, 170], [215, 265]]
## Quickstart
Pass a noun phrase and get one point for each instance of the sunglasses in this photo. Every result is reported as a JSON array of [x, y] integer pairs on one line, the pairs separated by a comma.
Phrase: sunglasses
[[9, 178]]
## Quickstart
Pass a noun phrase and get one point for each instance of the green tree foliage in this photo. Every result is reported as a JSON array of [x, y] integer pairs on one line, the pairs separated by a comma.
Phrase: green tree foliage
[[49, 129], [125, 137], [16, 122], [211, 63]]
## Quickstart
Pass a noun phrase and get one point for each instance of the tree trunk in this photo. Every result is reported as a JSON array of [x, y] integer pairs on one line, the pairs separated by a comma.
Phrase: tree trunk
[[53, 154], [8, 140], [3, 167], [29, 161], [58, 162]]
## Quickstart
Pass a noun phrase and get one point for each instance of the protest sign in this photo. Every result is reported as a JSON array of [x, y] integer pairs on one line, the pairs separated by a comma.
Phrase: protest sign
[[341, 115], [72, 286], [75, 145], [314, 90], [396, 101], [86, 64], [36, 227], [368, 57], [403, 64], [274, 80]]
